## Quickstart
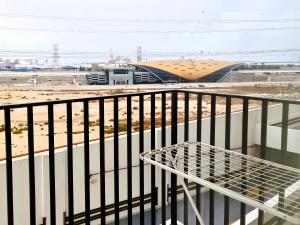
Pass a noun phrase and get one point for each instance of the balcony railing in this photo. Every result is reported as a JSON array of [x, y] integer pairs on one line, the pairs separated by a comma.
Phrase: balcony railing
[[162, 132]]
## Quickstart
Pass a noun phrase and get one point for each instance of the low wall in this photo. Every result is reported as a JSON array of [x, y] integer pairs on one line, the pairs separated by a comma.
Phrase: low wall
[[274, 138]]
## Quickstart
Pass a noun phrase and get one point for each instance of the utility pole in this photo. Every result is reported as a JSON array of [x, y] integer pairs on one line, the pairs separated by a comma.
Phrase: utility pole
[[55, 55], [139, 54]]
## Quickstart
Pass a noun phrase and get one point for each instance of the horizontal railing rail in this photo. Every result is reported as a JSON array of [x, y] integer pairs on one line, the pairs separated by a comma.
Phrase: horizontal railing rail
[[74, 100], [79, 218], [161, 110]]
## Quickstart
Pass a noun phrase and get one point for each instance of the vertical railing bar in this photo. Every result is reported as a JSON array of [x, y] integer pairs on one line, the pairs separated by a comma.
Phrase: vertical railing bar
[[129, 159], [199, 137], [9, 171], [263, 146], [174, 119], [31, 164], [141, 165], [153, 189], [212, 169], [284, 141], [227, 161], [51, 164], [86, 161], [264, 120], [244, 151], [116, 160], [284, 131], [163, 172], [186, 138], [102, 160], [70, 162]]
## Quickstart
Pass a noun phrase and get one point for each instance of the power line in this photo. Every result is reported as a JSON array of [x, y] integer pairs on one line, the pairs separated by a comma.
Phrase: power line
[[265, 10], [93, 54], [127, 20], [148, 31], [5, 51]]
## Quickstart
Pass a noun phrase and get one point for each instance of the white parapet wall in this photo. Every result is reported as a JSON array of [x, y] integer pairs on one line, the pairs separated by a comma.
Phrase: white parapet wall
[[20, 168], [274, 138], [274, 132]]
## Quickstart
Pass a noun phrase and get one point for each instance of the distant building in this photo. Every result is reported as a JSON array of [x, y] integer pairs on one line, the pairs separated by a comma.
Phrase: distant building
[[111, 75], [121, 75], [171, 71], [7, 66], [181, 71], [71, 68], [97, 78]]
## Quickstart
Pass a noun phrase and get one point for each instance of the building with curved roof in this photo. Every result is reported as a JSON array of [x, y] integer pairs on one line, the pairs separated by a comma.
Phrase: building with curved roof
[[181, 71]]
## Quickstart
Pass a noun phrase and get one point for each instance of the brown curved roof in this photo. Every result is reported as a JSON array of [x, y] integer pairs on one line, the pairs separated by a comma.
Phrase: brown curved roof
[[188, 69]]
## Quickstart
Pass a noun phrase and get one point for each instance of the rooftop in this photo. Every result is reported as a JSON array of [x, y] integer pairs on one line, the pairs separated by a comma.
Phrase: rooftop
[[188, 69]]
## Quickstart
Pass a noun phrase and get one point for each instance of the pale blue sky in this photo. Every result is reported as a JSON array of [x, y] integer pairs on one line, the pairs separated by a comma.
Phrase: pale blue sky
[[152, 9]]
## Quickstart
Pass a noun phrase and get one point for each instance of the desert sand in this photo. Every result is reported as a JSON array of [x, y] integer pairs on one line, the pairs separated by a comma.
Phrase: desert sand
[[19, 116], [12, 95]]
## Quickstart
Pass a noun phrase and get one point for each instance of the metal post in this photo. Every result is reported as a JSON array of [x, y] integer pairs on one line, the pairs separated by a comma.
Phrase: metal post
[[186, 138], [86, 162], [174, 141], [227, 162], [70, 163], [102, 161], [212, 169], [9, 172], [244, 151], [51, 164], [141, 165], [199, 137], [153, 189], [163, 172], [263, 146], [116, 160], [129, 160]]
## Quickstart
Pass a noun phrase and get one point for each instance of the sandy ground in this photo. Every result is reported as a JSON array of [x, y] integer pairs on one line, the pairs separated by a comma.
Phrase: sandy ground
[[19, 116]]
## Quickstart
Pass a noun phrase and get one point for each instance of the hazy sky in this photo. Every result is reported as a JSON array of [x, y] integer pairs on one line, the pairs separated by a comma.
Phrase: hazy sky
[[12, 37]]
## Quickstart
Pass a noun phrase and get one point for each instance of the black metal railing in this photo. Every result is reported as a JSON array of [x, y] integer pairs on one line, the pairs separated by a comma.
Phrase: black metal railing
[[96, 214], [133, 201]]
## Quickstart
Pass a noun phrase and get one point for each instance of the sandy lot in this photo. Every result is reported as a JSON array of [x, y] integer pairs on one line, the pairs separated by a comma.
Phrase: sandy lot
[[19, 116]]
